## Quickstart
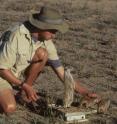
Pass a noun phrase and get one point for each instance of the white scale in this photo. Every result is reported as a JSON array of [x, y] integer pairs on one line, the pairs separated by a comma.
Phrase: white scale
[[73, 114]]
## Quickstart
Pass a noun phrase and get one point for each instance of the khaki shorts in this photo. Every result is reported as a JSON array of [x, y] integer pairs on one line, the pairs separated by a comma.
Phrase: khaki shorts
[[4, 84]]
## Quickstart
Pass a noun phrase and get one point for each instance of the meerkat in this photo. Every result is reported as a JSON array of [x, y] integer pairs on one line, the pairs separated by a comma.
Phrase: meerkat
[[103, 105], [86, 102], [69, 85]]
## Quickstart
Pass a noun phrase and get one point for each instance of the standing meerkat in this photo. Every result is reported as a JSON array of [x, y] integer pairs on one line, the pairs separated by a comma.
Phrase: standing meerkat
[[103, 105], [69, 85]]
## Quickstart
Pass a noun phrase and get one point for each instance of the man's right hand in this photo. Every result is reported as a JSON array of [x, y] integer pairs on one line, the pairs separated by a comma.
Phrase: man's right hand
[[30, 92]]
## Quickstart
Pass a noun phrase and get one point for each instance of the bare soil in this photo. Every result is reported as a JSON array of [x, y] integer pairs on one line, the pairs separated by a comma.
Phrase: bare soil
[[89, 48]]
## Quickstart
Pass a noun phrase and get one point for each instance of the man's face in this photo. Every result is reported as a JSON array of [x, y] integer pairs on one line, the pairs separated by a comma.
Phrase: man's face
[[46, 34]]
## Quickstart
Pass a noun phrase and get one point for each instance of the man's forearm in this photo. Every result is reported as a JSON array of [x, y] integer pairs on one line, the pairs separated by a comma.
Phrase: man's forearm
[[60, 72], [78, 87], [9, 76]]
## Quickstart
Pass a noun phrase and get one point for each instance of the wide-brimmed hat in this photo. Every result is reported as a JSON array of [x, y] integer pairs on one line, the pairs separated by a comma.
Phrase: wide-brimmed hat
[[48, 18]]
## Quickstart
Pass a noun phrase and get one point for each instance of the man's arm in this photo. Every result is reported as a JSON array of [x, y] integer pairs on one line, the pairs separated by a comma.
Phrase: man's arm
[[78, 88], [60, 72], [7, 61], [59, 69], [9, 76]]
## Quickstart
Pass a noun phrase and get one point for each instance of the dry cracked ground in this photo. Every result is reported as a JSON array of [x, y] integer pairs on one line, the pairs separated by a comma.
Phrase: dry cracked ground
[[89, 48]]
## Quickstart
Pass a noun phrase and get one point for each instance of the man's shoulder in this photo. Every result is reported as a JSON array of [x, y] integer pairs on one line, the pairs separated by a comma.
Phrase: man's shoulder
[[13, 28], [9, 32], [18, 28]]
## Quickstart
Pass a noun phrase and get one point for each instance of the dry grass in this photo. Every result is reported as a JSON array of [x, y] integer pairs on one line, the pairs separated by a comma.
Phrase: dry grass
[[90, 47]]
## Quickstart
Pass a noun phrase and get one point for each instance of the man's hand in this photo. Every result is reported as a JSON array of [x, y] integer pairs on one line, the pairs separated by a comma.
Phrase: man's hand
[[30, 92]]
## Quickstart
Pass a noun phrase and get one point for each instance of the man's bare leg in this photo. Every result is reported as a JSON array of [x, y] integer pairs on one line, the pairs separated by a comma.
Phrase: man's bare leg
[[38, 62], [7, 101]]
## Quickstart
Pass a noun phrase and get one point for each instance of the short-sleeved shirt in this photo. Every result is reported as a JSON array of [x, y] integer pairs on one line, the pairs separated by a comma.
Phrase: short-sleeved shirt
[[17, 49]]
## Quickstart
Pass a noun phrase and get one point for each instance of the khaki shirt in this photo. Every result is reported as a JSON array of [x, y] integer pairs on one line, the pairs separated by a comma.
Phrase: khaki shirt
[[18, 48]]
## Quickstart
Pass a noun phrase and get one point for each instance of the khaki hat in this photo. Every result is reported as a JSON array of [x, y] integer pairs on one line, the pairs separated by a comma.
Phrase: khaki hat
[[48, 18]]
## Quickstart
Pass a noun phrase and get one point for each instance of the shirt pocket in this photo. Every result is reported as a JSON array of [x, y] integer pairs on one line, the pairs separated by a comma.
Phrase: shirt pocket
[[22, 58]]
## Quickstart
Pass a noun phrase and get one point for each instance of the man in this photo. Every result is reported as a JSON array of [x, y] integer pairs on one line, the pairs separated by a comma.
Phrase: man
[[25, 50]]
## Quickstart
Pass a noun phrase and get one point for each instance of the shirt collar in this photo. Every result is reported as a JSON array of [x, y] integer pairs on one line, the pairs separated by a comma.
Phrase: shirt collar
[[34, 39]]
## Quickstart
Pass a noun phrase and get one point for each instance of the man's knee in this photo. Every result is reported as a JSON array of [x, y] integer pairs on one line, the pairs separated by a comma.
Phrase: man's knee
[[42, 54], [10, 108]]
